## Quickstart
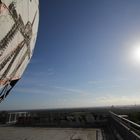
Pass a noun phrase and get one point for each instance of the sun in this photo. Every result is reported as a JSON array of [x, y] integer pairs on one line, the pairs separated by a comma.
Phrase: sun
[[136, 53]]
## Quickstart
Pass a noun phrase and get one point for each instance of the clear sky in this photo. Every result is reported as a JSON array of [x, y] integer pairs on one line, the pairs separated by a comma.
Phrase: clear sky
[[87, 54]]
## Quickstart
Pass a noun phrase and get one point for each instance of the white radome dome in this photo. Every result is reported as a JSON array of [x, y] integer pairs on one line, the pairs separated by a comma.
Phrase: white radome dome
[[18, 31]]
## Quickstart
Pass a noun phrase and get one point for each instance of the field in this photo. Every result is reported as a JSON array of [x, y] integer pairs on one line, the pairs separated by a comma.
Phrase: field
[[28, 133]]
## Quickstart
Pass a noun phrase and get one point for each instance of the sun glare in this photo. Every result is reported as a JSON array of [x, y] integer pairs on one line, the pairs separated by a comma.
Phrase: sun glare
[[136, 54]]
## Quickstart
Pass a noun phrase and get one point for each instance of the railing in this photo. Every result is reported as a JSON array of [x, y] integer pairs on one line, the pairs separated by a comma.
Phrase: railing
[[132, 129]]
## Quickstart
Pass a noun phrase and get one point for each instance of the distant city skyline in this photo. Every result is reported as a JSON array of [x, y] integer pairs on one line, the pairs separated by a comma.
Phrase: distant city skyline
[[85, 56]]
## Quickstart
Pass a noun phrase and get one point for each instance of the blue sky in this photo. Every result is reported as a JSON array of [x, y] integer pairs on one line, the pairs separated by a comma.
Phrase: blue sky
[[83, 56]]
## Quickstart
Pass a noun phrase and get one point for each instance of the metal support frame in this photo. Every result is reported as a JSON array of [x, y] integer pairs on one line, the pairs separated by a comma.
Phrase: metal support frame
[[6, 89]]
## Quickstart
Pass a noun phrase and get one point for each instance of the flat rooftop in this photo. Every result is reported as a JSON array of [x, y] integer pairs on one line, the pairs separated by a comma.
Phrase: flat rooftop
[[36, 133]]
